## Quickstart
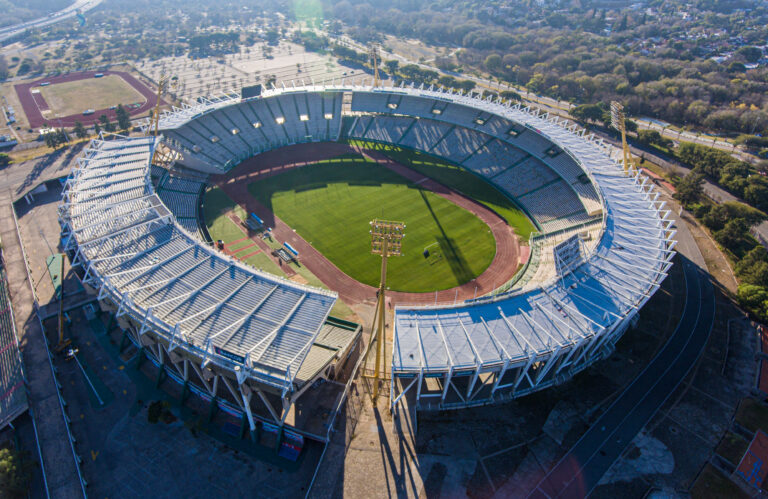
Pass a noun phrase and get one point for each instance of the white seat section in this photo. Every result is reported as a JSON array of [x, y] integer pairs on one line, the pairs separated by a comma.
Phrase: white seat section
[[143, 262], [459, 144], [227, 135], [424, 134], [525, 177], [389, 129], [551, 202]]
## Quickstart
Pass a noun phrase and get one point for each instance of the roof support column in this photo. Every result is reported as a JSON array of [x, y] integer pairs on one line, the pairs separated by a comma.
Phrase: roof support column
[[246, 394], [447, 384], [501, 375]]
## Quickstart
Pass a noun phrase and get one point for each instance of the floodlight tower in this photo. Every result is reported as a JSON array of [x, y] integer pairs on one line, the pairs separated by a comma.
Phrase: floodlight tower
[[618, 121], [386, 240], [373, 53], [162, 85]]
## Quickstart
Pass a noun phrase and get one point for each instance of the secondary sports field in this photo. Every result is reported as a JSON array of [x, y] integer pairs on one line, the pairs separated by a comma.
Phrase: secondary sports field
[[330, 205], [74, 97], [74, 93]]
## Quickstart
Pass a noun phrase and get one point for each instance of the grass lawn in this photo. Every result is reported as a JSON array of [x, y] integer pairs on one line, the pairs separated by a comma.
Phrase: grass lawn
[[461, 180], [330, 204], [74, 97]]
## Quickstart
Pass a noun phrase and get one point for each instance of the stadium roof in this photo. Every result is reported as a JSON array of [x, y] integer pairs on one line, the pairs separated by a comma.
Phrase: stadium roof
[[612, 283], [230, 314]]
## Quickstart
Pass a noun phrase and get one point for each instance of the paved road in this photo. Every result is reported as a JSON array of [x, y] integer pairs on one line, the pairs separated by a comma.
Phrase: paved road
[[9, 32], [580, 470], [58, 462]]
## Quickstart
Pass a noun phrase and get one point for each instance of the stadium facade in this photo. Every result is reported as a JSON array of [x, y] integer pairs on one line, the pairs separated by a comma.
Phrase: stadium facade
[[604, 245]]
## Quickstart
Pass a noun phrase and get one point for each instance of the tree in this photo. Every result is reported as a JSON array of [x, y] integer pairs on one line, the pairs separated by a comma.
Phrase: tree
[[96, 128], [511, 95], [15, 474], [108, 126], [493, 62], [731, 236], [466, 85], [5, 160], [750, 54], [123, 118], [79, 130], [653, 138], [3, 68], [50, 139], [623, 24], [61, 137], [689, 189], [391, 66], [588, 112]]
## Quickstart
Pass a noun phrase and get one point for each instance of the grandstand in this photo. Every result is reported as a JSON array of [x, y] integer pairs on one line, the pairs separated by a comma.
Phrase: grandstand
[[206, 317], [13, 393], [180, 192], [550, 325]]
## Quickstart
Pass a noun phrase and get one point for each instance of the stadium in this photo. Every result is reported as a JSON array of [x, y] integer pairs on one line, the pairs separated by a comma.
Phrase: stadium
[[262, 346]]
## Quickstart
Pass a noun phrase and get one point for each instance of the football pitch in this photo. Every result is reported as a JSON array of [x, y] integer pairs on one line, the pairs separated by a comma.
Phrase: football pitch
[[331, 203], [460, 180], [74, 97]]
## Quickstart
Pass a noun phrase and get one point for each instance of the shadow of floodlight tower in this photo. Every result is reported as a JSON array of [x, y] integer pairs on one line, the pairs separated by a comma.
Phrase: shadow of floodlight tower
[[386, 240]]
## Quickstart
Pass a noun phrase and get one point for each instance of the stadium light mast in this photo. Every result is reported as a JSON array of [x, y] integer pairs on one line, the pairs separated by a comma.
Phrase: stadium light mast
[[373, 53], [162, 85], [618, 121], [386, 240]]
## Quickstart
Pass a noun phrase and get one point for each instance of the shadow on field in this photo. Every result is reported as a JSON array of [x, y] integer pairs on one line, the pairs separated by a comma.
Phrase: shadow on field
[[455, 257]]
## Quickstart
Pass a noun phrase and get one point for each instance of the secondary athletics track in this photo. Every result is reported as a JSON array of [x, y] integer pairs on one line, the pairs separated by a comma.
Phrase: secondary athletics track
[[235, 184], [33, 106]]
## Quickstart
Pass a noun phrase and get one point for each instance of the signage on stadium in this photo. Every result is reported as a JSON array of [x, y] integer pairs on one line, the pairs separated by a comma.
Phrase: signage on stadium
[[229, 355]]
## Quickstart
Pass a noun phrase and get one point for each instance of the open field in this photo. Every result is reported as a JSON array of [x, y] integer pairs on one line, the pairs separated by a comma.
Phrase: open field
[[73, 97], [460, 180], [330, 204]]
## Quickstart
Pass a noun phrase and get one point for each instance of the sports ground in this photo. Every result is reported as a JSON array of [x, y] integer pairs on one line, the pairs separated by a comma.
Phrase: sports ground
[[321, 197], [63, 100]]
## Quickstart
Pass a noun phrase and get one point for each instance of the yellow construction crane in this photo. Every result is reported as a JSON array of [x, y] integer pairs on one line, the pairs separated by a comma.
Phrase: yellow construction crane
[[162, 85], [618, 121], [373, 53], [386, 240]]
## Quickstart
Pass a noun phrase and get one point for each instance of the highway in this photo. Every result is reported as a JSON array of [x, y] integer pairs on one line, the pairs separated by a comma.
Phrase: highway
[[9, 32], [581, 469]]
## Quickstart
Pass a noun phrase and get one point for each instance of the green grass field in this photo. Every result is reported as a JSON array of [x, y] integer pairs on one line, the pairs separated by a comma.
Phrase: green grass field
[[331, 203], [74, 97], [461, 180], [216, 204]]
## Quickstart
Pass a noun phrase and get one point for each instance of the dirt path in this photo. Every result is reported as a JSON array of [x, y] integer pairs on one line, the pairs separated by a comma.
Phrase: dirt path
[[502, 268]]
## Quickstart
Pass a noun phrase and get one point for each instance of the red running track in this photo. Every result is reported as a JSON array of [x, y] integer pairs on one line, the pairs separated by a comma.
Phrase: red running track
[[33, 111], [235, 184]]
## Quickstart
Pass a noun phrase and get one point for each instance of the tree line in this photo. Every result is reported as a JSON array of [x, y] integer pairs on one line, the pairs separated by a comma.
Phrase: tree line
[[661, 65]]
